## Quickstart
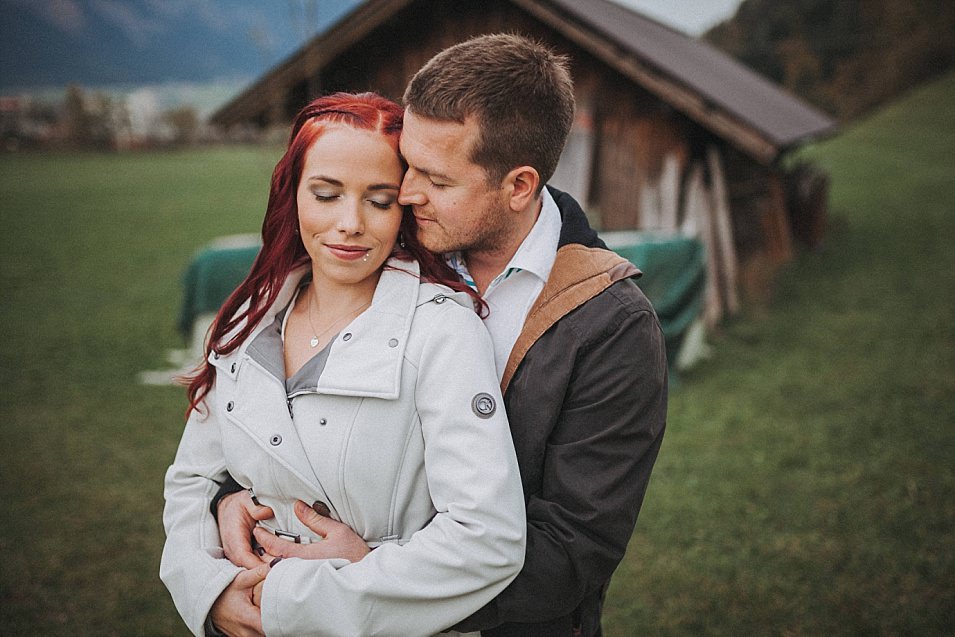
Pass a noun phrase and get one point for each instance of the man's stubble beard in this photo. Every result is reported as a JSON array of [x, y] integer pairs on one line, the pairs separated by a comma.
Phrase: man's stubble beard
[[490, 234]]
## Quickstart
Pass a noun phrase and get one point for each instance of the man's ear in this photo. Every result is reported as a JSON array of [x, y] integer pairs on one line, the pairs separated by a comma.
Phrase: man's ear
[[520, 186]]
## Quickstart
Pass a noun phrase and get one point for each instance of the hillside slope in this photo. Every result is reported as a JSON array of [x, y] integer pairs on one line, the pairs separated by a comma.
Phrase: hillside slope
[[845, 56], [806, 483]]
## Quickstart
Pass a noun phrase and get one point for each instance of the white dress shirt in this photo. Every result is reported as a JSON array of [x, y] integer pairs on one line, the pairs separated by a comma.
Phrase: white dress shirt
[[512, 293]]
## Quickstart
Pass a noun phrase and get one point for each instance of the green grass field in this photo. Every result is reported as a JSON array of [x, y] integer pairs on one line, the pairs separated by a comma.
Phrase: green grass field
[[805, 486]]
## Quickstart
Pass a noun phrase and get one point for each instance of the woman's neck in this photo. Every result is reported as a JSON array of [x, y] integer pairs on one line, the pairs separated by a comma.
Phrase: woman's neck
[[335, 297]]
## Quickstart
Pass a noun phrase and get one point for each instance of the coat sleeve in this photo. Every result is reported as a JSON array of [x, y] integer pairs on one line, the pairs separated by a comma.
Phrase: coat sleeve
[[601, 447], [193, 566], [469, 551]]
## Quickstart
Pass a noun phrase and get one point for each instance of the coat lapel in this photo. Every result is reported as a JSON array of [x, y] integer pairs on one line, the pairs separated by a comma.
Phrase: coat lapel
[[366, 358]]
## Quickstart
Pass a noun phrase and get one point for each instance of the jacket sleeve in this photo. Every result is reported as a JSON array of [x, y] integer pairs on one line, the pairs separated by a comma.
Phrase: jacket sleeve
[[600, 449], [193, 566], [469, 551]]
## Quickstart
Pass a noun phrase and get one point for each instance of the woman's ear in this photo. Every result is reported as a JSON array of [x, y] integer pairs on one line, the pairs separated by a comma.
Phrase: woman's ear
[[520, 186]]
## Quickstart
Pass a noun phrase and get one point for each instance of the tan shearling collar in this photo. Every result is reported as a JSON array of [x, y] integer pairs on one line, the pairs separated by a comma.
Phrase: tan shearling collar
[[579, 274]]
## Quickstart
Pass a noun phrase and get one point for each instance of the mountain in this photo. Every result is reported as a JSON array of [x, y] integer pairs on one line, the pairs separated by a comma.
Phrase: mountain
[[132, 42]]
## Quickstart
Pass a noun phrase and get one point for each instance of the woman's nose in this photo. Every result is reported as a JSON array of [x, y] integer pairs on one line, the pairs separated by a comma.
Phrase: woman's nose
[[350, 219]]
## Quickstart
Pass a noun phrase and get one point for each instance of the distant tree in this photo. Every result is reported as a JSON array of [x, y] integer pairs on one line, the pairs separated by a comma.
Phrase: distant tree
[[88, 121], [77, 128], [184, 122], [845, 56]]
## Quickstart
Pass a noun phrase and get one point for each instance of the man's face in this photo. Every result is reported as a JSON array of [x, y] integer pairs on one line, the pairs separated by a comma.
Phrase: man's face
[[455, 206]]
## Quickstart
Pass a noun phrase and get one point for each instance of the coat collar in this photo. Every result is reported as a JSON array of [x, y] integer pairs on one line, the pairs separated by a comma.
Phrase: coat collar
[[365, 359], [584, 268]]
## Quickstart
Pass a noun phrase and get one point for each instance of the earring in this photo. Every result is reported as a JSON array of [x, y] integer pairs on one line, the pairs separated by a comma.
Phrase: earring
[[401, 240]]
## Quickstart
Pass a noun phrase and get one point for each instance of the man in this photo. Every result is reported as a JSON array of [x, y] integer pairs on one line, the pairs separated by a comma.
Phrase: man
[[578, 346]]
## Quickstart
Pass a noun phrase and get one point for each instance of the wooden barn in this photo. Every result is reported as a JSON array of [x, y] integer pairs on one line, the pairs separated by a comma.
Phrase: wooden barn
[[671, 135]]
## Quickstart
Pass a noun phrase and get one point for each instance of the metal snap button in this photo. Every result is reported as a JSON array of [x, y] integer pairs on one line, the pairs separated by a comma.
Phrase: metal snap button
[[393, 342], [275, 440], [483, 405], [322, 421], [215, 355], [230, 406], [232, 369], [440, 299], [346, 336]]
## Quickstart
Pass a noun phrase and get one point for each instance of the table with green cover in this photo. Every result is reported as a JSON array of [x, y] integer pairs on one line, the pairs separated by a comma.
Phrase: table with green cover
[[674, 279], [210, 278]]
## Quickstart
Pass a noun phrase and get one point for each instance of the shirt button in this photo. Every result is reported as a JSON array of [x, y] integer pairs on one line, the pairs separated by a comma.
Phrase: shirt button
[[230, 406], [275, 440], [347, 336], [215, 355], [393, 342], [322, 421]]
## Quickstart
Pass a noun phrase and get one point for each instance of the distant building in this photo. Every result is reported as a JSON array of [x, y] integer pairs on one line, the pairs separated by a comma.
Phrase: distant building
[[671, 134]]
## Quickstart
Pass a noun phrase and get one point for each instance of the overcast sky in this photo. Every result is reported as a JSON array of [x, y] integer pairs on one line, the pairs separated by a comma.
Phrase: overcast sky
[[690, 16]]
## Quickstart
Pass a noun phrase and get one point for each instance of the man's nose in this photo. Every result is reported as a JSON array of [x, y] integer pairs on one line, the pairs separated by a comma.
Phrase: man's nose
[[410, 194]]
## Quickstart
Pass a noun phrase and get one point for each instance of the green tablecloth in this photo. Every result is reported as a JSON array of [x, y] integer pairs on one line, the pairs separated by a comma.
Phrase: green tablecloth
[[209, 280], [674, 278]]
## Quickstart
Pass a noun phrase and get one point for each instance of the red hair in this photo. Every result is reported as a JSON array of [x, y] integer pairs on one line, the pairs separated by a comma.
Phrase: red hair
[[282, 249]]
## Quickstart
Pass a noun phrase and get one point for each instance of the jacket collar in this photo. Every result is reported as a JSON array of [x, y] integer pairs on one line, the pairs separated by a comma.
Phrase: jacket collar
[[365, 359], [574, 227], [584, 268], [362, 360]]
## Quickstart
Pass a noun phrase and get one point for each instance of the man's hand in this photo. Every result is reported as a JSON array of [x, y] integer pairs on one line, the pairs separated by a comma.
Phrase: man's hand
[[237, 515], [339, 540], [234, 612]]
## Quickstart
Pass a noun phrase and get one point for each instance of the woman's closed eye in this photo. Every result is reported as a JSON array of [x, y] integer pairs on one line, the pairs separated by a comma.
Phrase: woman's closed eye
[[322, 195], [383, 203]]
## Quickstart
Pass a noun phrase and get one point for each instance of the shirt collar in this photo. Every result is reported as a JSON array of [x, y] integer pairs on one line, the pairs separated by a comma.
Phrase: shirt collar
[[537, 252]]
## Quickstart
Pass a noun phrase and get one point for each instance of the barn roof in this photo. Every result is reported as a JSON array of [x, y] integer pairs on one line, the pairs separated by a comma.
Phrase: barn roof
[[694, 77]]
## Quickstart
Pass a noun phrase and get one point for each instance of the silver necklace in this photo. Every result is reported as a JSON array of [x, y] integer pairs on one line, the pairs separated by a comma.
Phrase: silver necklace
[[313, 342]]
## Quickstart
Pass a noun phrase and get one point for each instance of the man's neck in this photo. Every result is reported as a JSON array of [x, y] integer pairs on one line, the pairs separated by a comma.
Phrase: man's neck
[[485, 265]]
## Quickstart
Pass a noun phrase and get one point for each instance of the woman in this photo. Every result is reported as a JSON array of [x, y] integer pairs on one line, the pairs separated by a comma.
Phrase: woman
[[341, 373]]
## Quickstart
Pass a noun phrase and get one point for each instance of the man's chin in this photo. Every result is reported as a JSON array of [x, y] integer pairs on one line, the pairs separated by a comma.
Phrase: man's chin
[[433, 243]]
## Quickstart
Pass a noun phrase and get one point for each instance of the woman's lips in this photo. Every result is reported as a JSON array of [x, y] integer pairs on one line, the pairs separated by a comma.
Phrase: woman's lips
[[347, 252]]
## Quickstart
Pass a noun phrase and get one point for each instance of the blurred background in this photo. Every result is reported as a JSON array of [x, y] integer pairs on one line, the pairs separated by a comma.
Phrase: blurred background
[[781, 172]]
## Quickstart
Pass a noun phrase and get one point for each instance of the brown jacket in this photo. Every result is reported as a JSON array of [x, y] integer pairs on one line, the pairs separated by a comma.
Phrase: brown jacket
[[586, 393]]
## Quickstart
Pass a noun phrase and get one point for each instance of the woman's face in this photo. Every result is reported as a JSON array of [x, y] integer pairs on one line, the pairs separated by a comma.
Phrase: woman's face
[[348, 210]]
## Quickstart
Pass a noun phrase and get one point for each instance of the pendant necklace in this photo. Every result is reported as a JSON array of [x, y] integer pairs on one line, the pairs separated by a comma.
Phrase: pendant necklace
[[313, 342]]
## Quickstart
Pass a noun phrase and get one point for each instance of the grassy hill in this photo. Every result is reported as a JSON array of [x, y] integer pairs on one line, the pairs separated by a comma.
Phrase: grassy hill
[[805, 485]]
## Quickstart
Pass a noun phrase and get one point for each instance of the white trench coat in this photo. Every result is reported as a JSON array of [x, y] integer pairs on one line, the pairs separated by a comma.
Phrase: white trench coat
[[405, 440]]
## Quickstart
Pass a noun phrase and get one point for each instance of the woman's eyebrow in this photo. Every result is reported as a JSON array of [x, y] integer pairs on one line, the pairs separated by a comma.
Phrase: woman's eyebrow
[[336, 182], [329, 180]]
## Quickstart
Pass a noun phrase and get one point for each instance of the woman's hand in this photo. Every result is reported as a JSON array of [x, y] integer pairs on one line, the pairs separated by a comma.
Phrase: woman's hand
[[237, 515], [339, 540], [235, 612]]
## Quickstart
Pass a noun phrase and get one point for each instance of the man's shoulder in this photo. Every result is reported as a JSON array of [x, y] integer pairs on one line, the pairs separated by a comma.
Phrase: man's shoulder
[[622, 303]]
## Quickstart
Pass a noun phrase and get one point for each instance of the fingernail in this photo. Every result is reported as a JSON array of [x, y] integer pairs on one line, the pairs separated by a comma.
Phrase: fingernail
[[321, 508], [260, 550], [274, 562]]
